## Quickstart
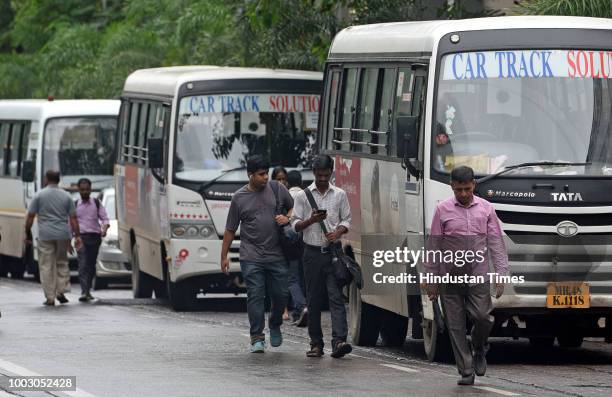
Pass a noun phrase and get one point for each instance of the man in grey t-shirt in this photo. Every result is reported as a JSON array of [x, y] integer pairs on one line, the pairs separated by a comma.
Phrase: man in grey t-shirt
[[54, 208], [262, 262]]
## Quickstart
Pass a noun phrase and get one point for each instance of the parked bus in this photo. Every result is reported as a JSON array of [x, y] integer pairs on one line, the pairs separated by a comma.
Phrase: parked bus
[[184, 135], [527, 103], [75, 137]]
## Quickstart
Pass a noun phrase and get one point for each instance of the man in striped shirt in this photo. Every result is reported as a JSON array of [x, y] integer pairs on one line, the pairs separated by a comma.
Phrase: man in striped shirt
[[334, 211]]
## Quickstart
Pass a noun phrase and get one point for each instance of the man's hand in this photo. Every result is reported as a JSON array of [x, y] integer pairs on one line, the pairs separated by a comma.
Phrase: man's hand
[[317, 216], [499, 290], [225, 264], [104, 230], [333, 236], [431, 290], [281, 220]]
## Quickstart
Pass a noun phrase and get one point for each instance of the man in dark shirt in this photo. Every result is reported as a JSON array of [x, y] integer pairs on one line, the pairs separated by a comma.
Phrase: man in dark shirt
[[262, 261]]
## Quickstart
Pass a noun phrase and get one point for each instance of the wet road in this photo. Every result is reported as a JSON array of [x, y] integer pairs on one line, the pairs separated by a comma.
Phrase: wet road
[[118, 346]]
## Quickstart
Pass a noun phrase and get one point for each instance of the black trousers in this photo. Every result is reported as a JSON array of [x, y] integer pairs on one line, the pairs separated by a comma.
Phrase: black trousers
[[321, 285], [88, 256]]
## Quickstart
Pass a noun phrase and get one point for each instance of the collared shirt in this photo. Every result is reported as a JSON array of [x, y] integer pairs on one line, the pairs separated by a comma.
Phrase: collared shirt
[[476, 228], [90, 217], [334, 200]]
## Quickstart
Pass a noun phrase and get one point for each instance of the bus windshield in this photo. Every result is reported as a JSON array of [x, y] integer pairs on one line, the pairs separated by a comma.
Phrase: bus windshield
[[216, 133], [499, 108], [80, 146]]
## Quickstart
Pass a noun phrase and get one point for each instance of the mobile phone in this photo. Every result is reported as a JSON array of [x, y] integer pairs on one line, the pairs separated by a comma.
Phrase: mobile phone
[[322, 211]]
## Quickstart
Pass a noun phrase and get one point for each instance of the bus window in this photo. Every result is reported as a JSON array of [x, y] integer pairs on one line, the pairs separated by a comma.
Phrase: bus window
[[4, 132], [348, 109], [385, 112], [123, 140], [23, 145], [332, 104], [13, 152], [142, 133], [365, 110], [405, 82], [133, 133]]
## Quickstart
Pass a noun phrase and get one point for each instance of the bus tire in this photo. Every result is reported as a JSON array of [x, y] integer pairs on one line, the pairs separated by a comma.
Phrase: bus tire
[[364, 319], [99, 283], [570, 341], [3, 267], [142, 283], [393, 330], [180, 295], [436, 342], [17, 268]]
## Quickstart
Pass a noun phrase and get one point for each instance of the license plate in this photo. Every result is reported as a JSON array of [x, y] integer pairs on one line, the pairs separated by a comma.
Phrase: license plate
[[568, 295]]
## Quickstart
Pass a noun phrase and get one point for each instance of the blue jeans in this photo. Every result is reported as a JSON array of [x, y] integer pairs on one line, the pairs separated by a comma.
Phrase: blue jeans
[[261, 278], [295, 287]]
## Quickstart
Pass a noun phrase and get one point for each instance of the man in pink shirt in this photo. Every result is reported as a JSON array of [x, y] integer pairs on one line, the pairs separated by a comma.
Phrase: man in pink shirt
[[462, 224], [93, 222]]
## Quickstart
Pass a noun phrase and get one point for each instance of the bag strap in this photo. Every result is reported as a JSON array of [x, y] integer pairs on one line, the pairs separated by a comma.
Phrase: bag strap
[[274, 186], [313, 204]]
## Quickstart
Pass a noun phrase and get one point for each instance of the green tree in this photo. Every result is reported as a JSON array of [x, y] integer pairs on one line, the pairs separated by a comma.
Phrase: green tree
[[588, 8]]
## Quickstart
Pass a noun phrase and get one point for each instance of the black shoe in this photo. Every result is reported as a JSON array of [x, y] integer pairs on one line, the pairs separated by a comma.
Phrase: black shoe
[[466, 380], [341, 349], [62, 298], [49, 303], [480, 364], [89, 297], [315, 351], [302, 321], [83, 298]]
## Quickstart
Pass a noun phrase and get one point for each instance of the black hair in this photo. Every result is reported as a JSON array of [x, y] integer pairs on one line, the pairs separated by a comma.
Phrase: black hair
[[294, 178], [323, 162], [84, 180], [277, 170], [462, 174], [52, 176], [256, 163]]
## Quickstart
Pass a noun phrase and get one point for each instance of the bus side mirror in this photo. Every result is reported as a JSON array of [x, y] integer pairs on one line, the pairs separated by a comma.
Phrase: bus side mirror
[[155, 147], [27, 171], [407, 143]]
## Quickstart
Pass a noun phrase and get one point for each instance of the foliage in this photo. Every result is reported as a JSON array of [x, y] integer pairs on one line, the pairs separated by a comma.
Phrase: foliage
[[590, 8]]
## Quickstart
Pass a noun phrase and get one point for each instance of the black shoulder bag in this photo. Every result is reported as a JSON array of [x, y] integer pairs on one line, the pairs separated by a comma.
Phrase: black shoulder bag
[[345, 267]]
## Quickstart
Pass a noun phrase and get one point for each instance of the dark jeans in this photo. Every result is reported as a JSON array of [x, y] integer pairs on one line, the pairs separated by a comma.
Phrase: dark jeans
[[262, 278], [321, 285], [87, 257], [295, 287]]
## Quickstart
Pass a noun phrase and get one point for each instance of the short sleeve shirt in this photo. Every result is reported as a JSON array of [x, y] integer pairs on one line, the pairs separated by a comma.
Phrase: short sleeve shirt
[[254, 212], [54, 206]]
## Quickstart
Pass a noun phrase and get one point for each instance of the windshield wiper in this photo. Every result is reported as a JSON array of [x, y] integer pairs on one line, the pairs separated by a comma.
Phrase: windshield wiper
[[206, 185], [522, 165]]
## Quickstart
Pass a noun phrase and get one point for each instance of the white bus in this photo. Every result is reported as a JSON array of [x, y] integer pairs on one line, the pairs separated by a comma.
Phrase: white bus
[[184, 135], [75, 137], [406, 102]]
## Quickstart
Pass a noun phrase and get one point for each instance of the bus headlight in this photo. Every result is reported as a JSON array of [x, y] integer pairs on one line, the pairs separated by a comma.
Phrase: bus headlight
[[207, 231], [193, 230]]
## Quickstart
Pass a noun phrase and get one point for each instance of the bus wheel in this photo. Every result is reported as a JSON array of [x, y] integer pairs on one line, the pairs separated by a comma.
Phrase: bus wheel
[[3, 266], [394, 329], [17, 268], [364, 319], [436, 342], [572, 341], [142, 283], [181, 296], [99, 283]]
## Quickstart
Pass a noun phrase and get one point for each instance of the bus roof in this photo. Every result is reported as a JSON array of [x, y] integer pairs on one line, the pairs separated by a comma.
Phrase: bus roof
[[165, 81], [37, 109], [421, 37]]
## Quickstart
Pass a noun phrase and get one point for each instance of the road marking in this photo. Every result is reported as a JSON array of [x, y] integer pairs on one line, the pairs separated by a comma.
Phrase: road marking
[[498, 391], [5, 287], [400, 367], [21, 371]]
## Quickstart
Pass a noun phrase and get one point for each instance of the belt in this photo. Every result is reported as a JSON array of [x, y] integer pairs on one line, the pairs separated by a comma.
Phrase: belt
[[321, 249]]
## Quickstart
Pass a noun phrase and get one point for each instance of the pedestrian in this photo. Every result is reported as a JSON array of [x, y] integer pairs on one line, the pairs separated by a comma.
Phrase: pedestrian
[[334, 211], [55, 209], [296, 270], [460, 222], [93, 223], [262, 262], [279, 174]]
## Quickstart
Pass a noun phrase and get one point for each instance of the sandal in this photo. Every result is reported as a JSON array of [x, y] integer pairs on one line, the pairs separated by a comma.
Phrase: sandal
[[315, 351]]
